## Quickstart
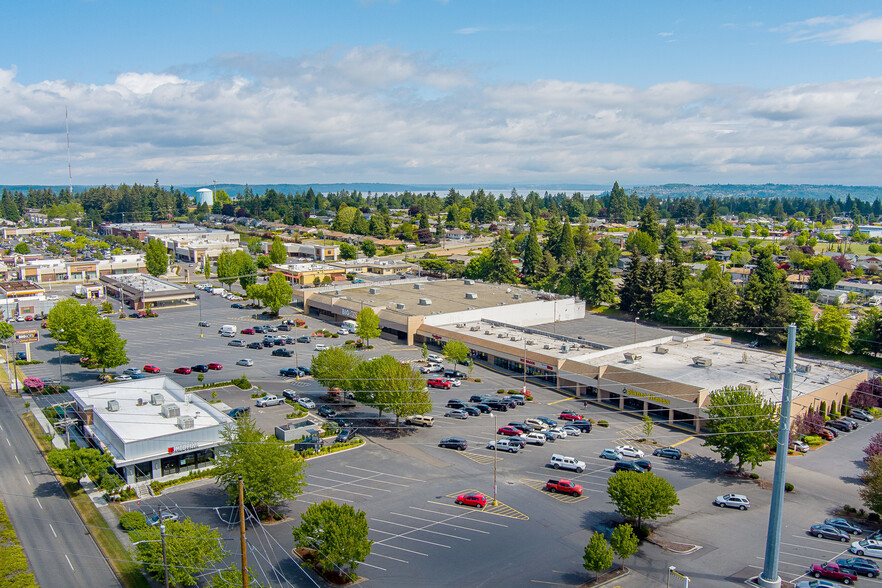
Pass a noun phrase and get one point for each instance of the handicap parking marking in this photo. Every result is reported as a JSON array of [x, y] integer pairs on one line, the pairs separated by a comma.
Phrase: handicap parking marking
[[539, 486], [499, 509]]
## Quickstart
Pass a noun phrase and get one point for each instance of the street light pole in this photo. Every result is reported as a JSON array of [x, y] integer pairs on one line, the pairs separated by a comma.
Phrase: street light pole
[[495, 453], [524, 390], [199, 304]]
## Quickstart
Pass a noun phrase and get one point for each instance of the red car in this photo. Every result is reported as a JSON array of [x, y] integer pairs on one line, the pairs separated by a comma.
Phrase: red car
[[478, 500], [825, 434], [151, 369], [248, 331], [570, 415], [439, 383], [832, 570], [215, 366], [508, 431], [29, 318], [183, 370]]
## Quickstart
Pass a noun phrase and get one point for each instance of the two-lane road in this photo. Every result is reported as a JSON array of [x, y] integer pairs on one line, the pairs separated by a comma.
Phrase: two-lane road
[[60, 550]]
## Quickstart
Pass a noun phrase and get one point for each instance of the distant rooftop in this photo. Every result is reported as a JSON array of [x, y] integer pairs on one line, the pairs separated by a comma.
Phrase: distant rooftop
[[144, 282], [608, 331]]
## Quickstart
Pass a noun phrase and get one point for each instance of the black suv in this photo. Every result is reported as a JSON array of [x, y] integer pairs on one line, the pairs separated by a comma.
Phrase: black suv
[[627, 466], [454, 443], [839, 425], [455, 374], [496, 405], [345, 435], [282, 352], [454, 403], [303, 339], [584, 426], [200, 368], [239, 412], [255, 345], [477, 398]]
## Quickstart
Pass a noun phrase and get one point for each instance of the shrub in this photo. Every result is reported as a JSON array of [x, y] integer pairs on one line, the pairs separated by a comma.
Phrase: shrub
[[478, 380], [754, 476], [862, 513], [788, 487], [813, 440], [512, 392], [256, 395], [642, 532], [133, 521], [602, 424], [277, 516], [873, 517], [242, 383], [500, 391]]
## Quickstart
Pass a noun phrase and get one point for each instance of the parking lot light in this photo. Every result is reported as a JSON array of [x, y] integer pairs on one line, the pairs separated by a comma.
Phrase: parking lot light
[[495, 453]]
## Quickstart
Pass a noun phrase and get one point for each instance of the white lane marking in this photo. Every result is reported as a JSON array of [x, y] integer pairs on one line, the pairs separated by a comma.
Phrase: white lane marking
[[376, 543], [384, 474], [470, 520], [442, 523], [406, 537], [375, 567], [424, 530], [354, 483], [16, 459], [803, 546], [28, 481], [369, 478], [38, 502], [325, 496], [53, 531], [68, 563], [389, 557], [338, 489], [7, 442]]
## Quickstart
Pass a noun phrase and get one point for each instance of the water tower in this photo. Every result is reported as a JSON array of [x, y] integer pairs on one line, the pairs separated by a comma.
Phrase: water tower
[[204, 196]]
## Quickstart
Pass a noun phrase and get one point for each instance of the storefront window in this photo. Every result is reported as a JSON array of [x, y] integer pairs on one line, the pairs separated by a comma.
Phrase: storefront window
[[143, 471]]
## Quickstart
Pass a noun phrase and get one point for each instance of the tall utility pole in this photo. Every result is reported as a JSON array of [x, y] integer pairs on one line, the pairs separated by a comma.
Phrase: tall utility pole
[[495, 453], [162, 538], [242, 533], [524, 391], [769, 577]]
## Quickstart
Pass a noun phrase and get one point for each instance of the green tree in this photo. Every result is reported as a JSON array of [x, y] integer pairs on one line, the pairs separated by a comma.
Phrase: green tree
[[368, 248], [190, 548], [6, 330], [232, 576], [254, 245], [67, 324], [156, 258], [765, 306], [600, 286], [805, 322], [624, 542], [263, 261], [867, 336], [500, 268], [367, 325], [424, 350], [743, 424], [456, 352], [647, 425], [833, 330], [566, 245], [206, 267], [278, 253], [598, 554], [478, 267], [641, 496], [247, 270], [640, 243], [78, 462], [649, 222], [277, 293], [871, 491], [334, 367], [380, 382], [826, 275], [270, 471], [102, 344], [619, 210], [532, 252], [22, 248], [348, 251], [338, 534], [227, 268]]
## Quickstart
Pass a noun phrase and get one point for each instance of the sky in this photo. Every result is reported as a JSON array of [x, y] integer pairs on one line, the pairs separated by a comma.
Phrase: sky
[[441, 92]]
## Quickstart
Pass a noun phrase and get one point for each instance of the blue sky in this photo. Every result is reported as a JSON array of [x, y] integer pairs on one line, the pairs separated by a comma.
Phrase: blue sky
[[442, 92]]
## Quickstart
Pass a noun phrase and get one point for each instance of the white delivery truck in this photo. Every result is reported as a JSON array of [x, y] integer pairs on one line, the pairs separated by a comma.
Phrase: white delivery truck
[[350, 326], [227, 330]]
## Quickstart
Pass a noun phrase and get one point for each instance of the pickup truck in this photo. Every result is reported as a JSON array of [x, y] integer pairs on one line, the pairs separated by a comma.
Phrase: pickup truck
[[565, 486], [833, 571], [270, 400]]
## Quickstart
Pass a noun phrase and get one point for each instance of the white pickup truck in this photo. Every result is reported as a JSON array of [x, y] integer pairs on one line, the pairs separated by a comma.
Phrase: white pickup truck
[[568, 463], [270, 400]]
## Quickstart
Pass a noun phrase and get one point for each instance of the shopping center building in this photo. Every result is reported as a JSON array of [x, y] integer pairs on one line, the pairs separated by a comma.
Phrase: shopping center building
[[151, 427], [549, 340]]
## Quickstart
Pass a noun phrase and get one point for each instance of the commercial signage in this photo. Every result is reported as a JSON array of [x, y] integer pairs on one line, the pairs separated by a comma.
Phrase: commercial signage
[[183, 447], [650, 397], [27, 336], [349, 313]]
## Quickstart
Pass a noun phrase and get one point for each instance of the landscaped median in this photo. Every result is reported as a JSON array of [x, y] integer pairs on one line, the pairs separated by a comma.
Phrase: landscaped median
[[13, 563]]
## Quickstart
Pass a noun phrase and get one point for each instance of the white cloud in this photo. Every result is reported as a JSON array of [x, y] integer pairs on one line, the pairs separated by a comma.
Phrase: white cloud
[[382, 114], [666, 34], [469, 30], [834, 29]]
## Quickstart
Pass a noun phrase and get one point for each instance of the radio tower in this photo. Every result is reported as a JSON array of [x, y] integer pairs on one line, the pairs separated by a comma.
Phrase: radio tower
[[67, 132]]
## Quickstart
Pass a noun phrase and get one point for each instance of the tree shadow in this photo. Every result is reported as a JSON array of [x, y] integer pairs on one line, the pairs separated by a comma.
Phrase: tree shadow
[[49, 489], [700, 467]]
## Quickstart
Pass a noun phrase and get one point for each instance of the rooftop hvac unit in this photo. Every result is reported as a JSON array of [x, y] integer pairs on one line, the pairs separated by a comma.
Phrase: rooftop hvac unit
[[156, 399], [531, 341], [460, 325], [776, 376], [374, 291], [751, 385], [803, 368], [399, 305], [546, 346], [185, 422], [474, 328], [661, 350], [702, 361], [487, 332], [515, 338], [633, 357], [337, 292], [564, 348], [471, 296], [417, 286], [113, 406], [425, 301], [140, 402], [171, 410], [469, 282], [502, 335], [508, 290]]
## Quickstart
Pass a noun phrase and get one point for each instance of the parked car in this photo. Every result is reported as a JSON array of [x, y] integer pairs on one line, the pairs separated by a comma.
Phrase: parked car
[[496, 405], [269, 400], [547, 421], [215, 366], [534, 438], [483, 407], [558, 461], [644, 464], [304, 370], [431, 368], [831, 431], [738, 501], [860, 566], [132, 371], [183, 370], [519, 399], [255, 345], [320, 347], [478, 500], [327, 412], [472, 411], [455, 374], [570, 415], [571, 431], [800, 446], [535, 424], [435, 358], [457, 414], [245, 362], [439, 383], [454, 443], [476, 398], [502, 445], [304, 339], [832, 570], [839, 426], [508, 431], [248, 331], [563, 486], [237, 306], [826, 434], [239, 412], [669, 452], [305, 402], [624, 465], [454, 403], [584, 426], [290, 372], [850, 422], [610, 454], [345, 435], [163, 517], [523, 428], [290, 394], [282, 352], [828, 532], [869, 547], [236, 343], [421, 420], [844, 525], [629, 451], [204, 324], [857, 413]]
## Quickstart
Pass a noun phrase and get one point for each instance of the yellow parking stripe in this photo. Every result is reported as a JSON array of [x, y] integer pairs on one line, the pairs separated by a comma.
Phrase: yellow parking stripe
[[501, 509], [561, 400], [480, 458], [683, 441]]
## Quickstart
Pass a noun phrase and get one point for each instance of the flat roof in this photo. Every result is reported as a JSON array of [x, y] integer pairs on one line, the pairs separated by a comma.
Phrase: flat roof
[[608, 331], [134, 423], [446, 296], [143, 282], [20, 286]]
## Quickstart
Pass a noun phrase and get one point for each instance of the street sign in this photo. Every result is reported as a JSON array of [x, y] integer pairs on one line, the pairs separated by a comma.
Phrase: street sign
[[27, 336]]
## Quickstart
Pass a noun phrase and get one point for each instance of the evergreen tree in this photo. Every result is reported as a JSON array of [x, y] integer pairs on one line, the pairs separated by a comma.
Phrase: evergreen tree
[[649, 222], [500, 267], [618, 210], [600, 286], [765, 306], [532, 253], [566, 248], [359, 225]]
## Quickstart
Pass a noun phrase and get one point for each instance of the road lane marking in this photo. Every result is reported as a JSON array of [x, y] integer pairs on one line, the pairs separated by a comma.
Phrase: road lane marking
[[7, 442], [390, 557], [53, 531], [371, 566], [38, 503], [68, 563], [28, 481], [16, 460], [683, 441]]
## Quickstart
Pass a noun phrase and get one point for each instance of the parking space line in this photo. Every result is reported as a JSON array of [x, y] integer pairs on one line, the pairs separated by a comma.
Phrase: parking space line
[[384, 474], [446, 514], [539, 486], [400, 548], [445, 524], [806, 546], [371, 478], [561, 400], [353, 483], [373, 566], [407, 538], [389, 557], [341, 490], [500, 509], [424, 530], [479, 458], [683, 441], [324, 496]]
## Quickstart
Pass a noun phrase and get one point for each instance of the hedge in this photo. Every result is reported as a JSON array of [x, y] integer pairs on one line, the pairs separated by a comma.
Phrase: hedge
[[133, 521], [158, 486]]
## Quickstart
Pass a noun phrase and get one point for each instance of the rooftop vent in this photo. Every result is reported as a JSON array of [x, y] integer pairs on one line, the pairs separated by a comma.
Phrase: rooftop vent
[[531, 341], [113, 406], [337, 292], [469, 282], [803, 368], [460, 325], [661, 350], [170, 411], [751, 385], [156, 399], [185, 422], [502, 335], [487, 332], [508, 290], [776, 376], [374, 291], [633, 357], [702, 361], [564, 348], [417, 286], [517, 296], [471, 296], [474, 328], [140, 402], [425, 301], [546, 346], [399, 305]]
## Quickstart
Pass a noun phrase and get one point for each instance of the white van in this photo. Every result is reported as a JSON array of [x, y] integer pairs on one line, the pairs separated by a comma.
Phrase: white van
[[227, 330], [568, 463]]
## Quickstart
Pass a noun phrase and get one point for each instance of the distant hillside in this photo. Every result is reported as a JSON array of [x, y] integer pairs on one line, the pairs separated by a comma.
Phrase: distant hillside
[[868, 193]]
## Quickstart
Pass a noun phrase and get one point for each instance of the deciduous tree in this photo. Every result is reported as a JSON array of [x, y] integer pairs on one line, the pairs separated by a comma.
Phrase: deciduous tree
[[641, 496], [871, 492], [833, 330], [367, 325], [624, 542], [156, 258], [334, 367], [277, 293], [278, 253], [743, 424], [598, 555], [102, 344], [337, 532], [456, 352], [190, 548]]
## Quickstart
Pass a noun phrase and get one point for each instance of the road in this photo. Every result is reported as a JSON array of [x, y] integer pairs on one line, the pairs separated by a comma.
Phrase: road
[[59, 549]]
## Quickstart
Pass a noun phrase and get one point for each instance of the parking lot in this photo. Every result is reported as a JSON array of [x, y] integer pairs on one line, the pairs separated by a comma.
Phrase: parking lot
[[407, 485]]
